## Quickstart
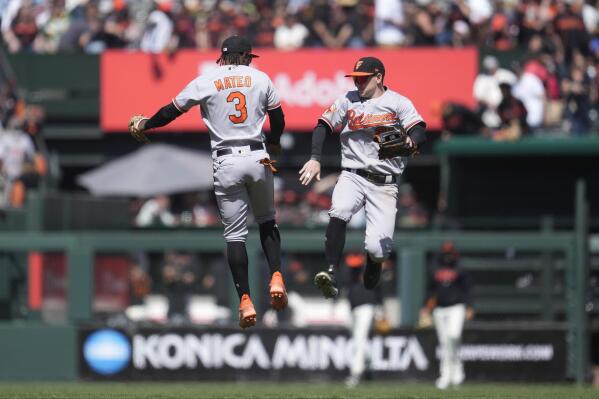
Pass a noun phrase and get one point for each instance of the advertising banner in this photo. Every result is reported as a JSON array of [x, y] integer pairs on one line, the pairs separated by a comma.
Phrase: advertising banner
[[295, 354], [308, 81]]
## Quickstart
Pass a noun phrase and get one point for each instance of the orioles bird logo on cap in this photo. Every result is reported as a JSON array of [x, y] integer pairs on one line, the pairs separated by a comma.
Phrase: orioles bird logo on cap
[[358, 64]]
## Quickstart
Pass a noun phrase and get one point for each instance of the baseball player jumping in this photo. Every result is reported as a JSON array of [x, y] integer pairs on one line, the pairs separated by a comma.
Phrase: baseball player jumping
[[381, 128], [234, 99]]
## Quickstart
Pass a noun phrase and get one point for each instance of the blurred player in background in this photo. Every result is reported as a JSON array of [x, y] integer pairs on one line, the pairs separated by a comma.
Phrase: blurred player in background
[[366, 306], [235, 99], [448, 299]]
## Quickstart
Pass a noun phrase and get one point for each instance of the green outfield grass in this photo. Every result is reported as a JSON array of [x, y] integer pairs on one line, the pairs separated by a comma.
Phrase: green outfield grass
[[385, 390]]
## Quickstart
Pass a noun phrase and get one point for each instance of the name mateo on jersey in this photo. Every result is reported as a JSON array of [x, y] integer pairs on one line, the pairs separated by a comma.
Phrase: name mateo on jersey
[[361, 121], [230, 82]]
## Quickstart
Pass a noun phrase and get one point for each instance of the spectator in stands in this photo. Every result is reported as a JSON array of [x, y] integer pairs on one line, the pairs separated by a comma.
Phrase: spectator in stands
[[576, 89], [449, 300], [332, 27], [530, 90], [499, 36], [424, 28], [461, 34], [512, 114], [53, 23], [479, 13], [389, 21], [71, 40], [569, 25], [360, 17], [180, 274], [291, 34], [19, 28], [459, 119], [486, 90], [547, 50], [156, 212], [533, 17], [100, 33], [159, 29], [183, 28]]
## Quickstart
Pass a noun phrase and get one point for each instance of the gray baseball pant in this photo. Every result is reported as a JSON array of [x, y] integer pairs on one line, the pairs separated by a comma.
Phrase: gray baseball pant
[[351, 193], [241, 181]]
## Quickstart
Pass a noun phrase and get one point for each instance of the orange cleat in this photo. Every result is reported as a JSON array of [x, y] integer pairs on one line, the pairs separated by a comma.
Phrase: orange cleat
[[278, 293], [247, 313]]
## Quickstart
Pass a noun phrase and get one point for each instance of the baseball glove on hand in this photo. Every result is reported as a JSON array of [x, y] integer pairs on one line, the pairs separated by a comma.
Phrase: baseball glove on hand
[[135, 131], [394, 142]]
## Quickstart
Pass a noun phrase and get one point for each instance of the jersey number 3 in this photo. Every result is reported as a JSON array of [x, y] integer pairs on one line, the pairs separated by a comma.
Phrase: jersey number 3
[[239, 99]]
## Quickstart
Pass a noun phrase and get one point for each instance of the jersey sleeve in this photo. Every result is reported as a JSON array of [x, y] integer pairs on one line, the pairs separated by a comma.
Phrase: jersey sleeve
[[408, 115], [272, 96], [192, 94], [335, 115]]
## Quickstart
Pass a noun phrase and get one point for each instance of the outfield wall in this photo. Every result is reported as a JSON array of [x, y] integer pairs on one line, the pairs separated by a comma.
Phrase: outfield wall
[[523, 353], [38, 352]]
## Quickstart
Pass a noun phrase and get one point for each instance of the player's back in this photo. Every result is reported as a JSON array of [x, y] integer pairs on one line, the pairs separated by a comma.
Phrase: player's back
[[236, 103]]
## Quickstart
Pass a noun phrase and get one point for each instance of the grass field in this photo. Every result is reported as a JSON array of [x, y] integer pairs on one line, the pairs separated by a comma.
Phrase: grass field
[[385, 390]]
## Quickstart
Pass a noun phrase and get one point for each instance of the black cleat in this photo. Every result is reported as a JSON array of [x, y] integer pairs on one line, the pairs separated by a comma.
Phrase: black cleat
[[372, 274], [327, 284]]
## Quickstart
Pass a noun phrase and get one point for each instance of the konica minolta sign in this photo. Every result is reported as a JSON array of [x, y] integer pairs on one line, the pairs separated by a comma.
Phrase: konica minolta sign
[[287, 354]]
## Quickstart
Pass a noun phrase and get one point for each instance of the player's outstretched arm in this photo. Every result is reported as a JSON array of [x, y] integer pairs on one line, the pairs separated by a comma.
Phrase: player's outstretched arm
[[311, 169], [277, 125], [139, 123], [136, 128]]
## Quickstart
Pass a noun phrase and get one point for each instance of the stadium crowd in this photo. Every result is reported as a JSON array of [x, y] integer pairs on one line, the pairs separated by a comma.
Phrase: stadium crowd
[[553, 83], [48, 26]]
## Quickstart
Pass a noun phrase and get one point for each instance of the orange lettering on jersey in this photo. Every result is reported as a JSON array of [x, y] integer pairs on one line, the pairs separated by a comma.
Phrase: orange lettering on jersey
[[228, 82], [330, 110], [238, 81], [219, 84], [361, 121], [247, 81]]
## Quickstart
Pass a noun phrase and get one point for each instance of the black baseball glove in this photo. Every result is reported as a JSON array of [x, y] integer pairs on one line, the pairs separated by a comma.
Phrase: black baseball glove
[[394, 142]]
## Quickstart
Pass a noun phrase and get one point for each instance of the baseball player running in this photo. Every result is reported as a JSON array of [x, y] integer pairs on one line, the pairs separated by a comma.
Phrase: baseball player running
[[449, 300], [381, 128], [234, 99]]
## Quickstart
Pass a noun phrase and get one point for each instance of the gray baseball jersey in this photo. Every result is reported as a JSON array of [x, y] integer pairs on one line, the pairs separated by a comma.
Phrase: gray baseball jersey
[[233, 100], [359, 151], [359, 120]]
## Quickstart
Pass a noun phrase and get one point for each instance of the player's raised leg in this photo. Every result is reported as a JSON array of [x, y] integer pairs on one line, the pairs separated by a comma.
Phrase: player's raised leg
[[348, 198], [233, 205], [380, 209], [238, 262], [261, 194]]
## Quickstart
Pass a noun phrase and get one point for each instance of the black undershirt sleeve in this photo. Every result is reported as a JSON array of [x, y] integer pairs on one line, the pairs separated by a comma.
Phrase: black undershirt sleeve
[[418, 133], [164, 116], [318, 136], [277, 125]]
